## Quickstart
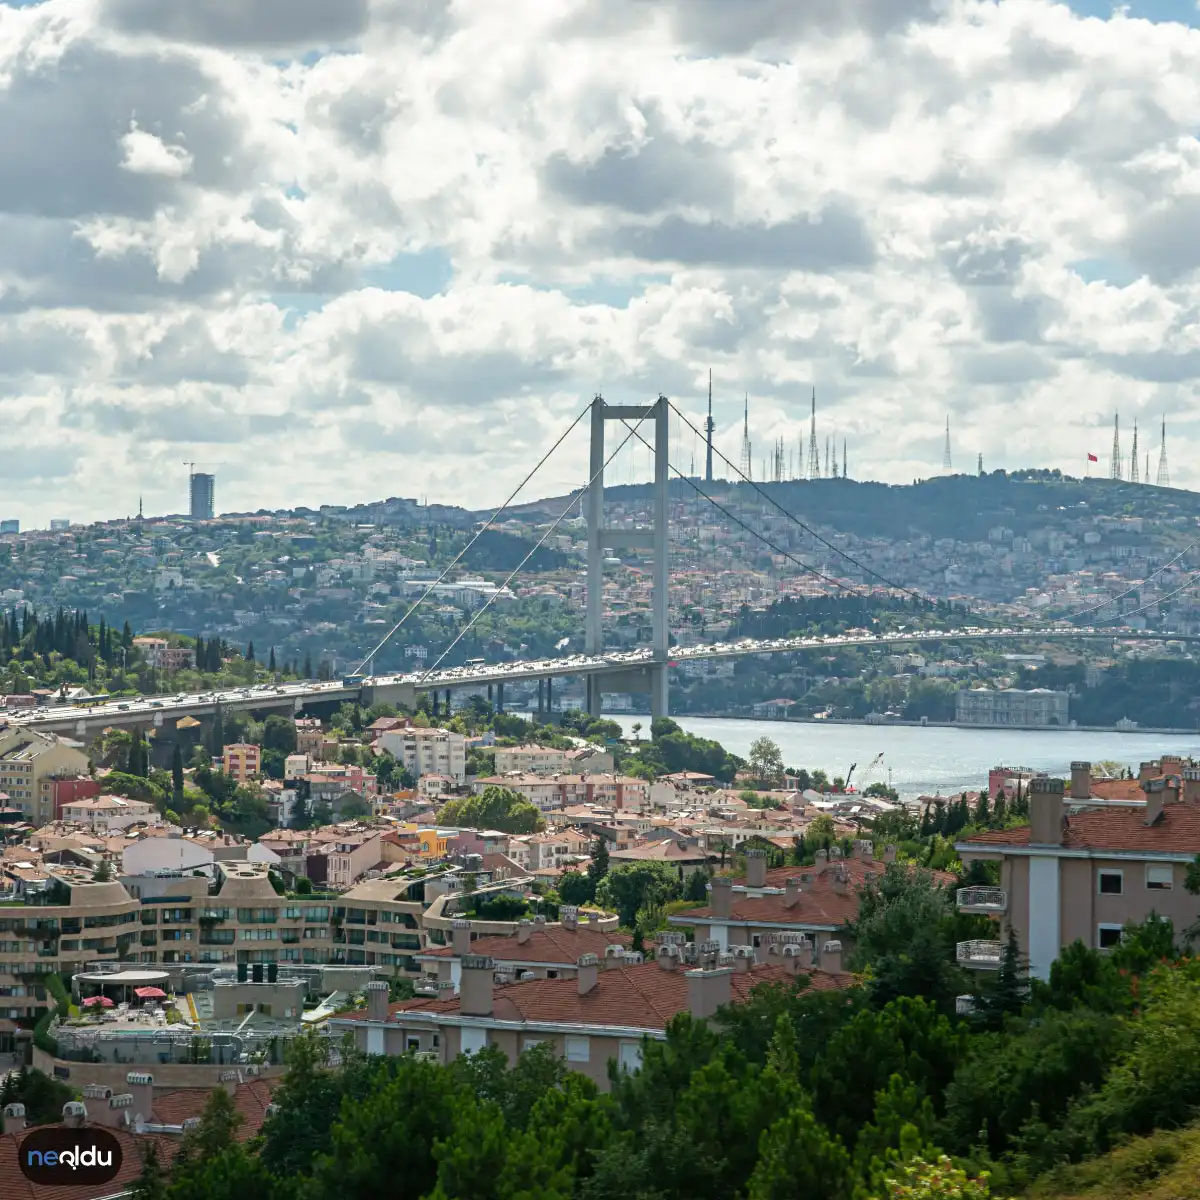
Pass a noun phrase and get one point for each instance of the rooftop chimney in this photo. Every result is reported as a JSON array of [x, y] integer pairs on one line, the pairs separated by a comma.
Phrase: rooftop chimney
[[708, 989], [116, 1112], [524, 931], [1191, 784], [792, 959], [722, 897], [743, 959], [568, 916], [1081, 780], [614, 956], [791, 892], [889, 853], [460, 937], [14, 1118], [805, 954], [863, 848], [668, 957], [74, 1114], [475, 987], [831, 957], [756, 868], [588, 967], [539, 920], [377, 1000], [1046, 812], [707, 953], [229, 1080], [140, 1085], [1155, 790]]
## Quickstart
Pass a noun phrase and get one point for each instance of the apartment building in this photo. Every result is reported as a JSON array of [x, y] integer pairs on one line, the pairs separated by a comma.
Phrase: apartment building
[[350, 858], [814, 903], [428, 751], [310, 737], [109, 814], [598, 1016], [536, 950], [241, 761], [164, 657], [29, 763], [60, 928], [547, 792], [1038, 707], [530, 760], [1085, 872]]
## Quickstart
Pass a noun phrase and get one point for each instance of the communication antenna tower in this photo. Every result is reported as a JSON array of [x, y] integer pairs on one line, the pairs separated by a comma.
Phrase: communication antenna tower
[[1164, 476], [946, 452], [1114, 471], [814, 457], [1133, 458], [747, 465]]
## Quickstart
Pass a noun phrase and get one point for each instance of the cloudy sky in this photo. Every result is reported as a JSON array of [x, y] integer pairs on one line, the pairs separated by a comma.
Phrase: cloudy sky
[[336, 250]]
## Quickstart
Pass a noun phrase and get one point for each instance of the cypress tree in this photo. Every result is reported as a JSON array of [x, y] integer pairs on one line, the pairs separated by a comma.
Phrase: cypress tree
[[250, 652], [271, 661]]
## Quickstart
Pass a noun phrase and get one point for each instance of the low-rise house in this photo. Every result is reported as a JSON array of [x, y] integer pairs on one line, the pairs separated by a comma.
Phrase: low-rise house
[[106, 813], [601, 1015], [537, 949], [241, 760]]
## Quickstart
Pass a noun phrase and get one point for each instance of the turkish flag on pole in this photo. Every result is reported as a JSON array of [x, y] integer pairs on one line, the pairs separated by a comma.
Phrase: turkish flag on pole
[[1093, 458]]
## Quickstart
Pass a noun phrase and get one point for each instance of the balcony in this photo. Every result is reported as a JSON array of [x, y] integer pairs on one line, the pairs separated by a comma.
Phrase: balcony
[[985, 900], [980, 956]]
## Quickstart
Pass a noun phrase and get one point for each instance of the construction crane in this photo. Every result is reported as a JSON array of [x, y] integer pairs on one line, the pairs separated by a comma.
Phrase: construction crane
[[865, 779]]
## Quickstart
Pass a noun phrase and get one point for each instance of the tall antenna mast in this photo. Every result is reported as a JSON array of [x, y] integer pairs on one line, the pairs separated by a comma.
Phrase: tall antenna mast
[[946, 452], [981, 463], [747, 466], [814, 457], [1114, 471], [709, 426], [1134, 477], [844, 475], [827, 456], [1164, 476]]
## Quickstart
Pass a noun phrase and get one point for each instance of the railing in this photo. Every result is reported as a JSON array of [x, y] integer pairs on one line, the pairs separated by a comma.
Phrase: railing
[[982, 899], [980, 955]]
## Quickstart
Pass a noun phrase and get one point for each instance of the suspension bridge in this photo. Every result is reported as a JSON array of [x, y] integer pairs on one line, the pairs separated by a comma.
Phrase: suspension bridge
[[641, 670]]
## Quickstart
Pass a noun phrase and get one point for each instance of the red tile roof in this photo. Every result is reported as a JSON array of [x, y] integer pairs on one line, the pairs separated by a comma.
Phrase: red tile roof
[[1120, 829], [170, 1108], [1116, 789], [546, 944], [644, 996]]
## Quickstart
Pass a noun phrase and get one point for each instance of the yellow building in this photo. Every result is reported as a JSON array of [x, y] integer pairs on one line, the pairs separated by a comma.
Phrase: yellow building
[[29, 760], [433, 843]]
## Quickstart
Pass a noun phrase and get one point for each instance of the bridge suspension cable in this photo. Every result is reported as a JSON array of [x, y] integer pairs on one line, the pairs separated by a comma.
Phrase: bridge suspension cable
[[755, 533], [1130, 590], [562, 516], [899, 587], [1150, 604], [466, 549]]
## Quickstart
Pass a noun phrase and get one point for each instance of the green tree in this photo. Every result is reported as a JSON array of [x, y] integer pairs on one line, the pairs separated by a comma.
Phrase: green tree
[[494, 808], [797, 1157], [574, 887], [177, 775], [940, 1180], [766, 760], [635, 886], [905, 935], [279, 733], [597, 868]]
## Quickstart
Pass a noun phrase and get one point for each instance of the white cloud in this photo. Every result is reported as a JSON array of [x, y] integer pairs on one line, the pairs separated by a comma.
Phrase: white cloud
[[148, 154], [236, 227]]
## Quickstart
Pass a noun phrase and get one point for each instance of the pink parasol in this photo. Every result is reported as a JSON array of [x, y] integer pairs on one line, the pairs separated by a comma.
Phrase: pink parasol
[[97, 1002], [149, 993]]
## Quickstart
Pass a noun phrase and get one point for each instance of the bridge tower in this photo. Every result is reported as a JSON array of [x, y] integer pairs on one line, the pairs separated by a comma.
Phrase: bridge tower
[[652, 678]]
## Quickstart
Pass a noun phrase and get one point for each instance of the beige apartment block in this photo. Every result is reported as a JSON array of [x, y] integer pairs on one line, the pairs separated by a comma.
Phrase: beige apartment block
[[1084, 873], [28, 762]]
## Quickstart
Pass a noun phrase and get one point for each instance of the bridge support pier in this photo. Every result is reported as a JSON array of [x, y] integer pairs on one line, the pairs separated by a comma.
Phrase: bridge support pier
[[602, 540], [499, 697], [541, 708], [659, 692]]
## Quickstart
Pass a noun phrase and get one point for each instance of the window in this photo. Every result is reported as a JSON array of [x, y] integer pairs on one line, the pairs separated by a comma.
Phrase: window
[[1110, 883], [1160, 879], [578, 1050], [529, 1043], [1108, 936], [412, 1043], [551, 974], [631, 1056]]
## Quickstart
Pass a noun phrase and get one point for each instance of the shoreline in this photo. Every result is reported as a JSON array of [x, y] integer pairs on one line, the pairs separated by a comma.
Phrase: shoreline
[[1142, 729]]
